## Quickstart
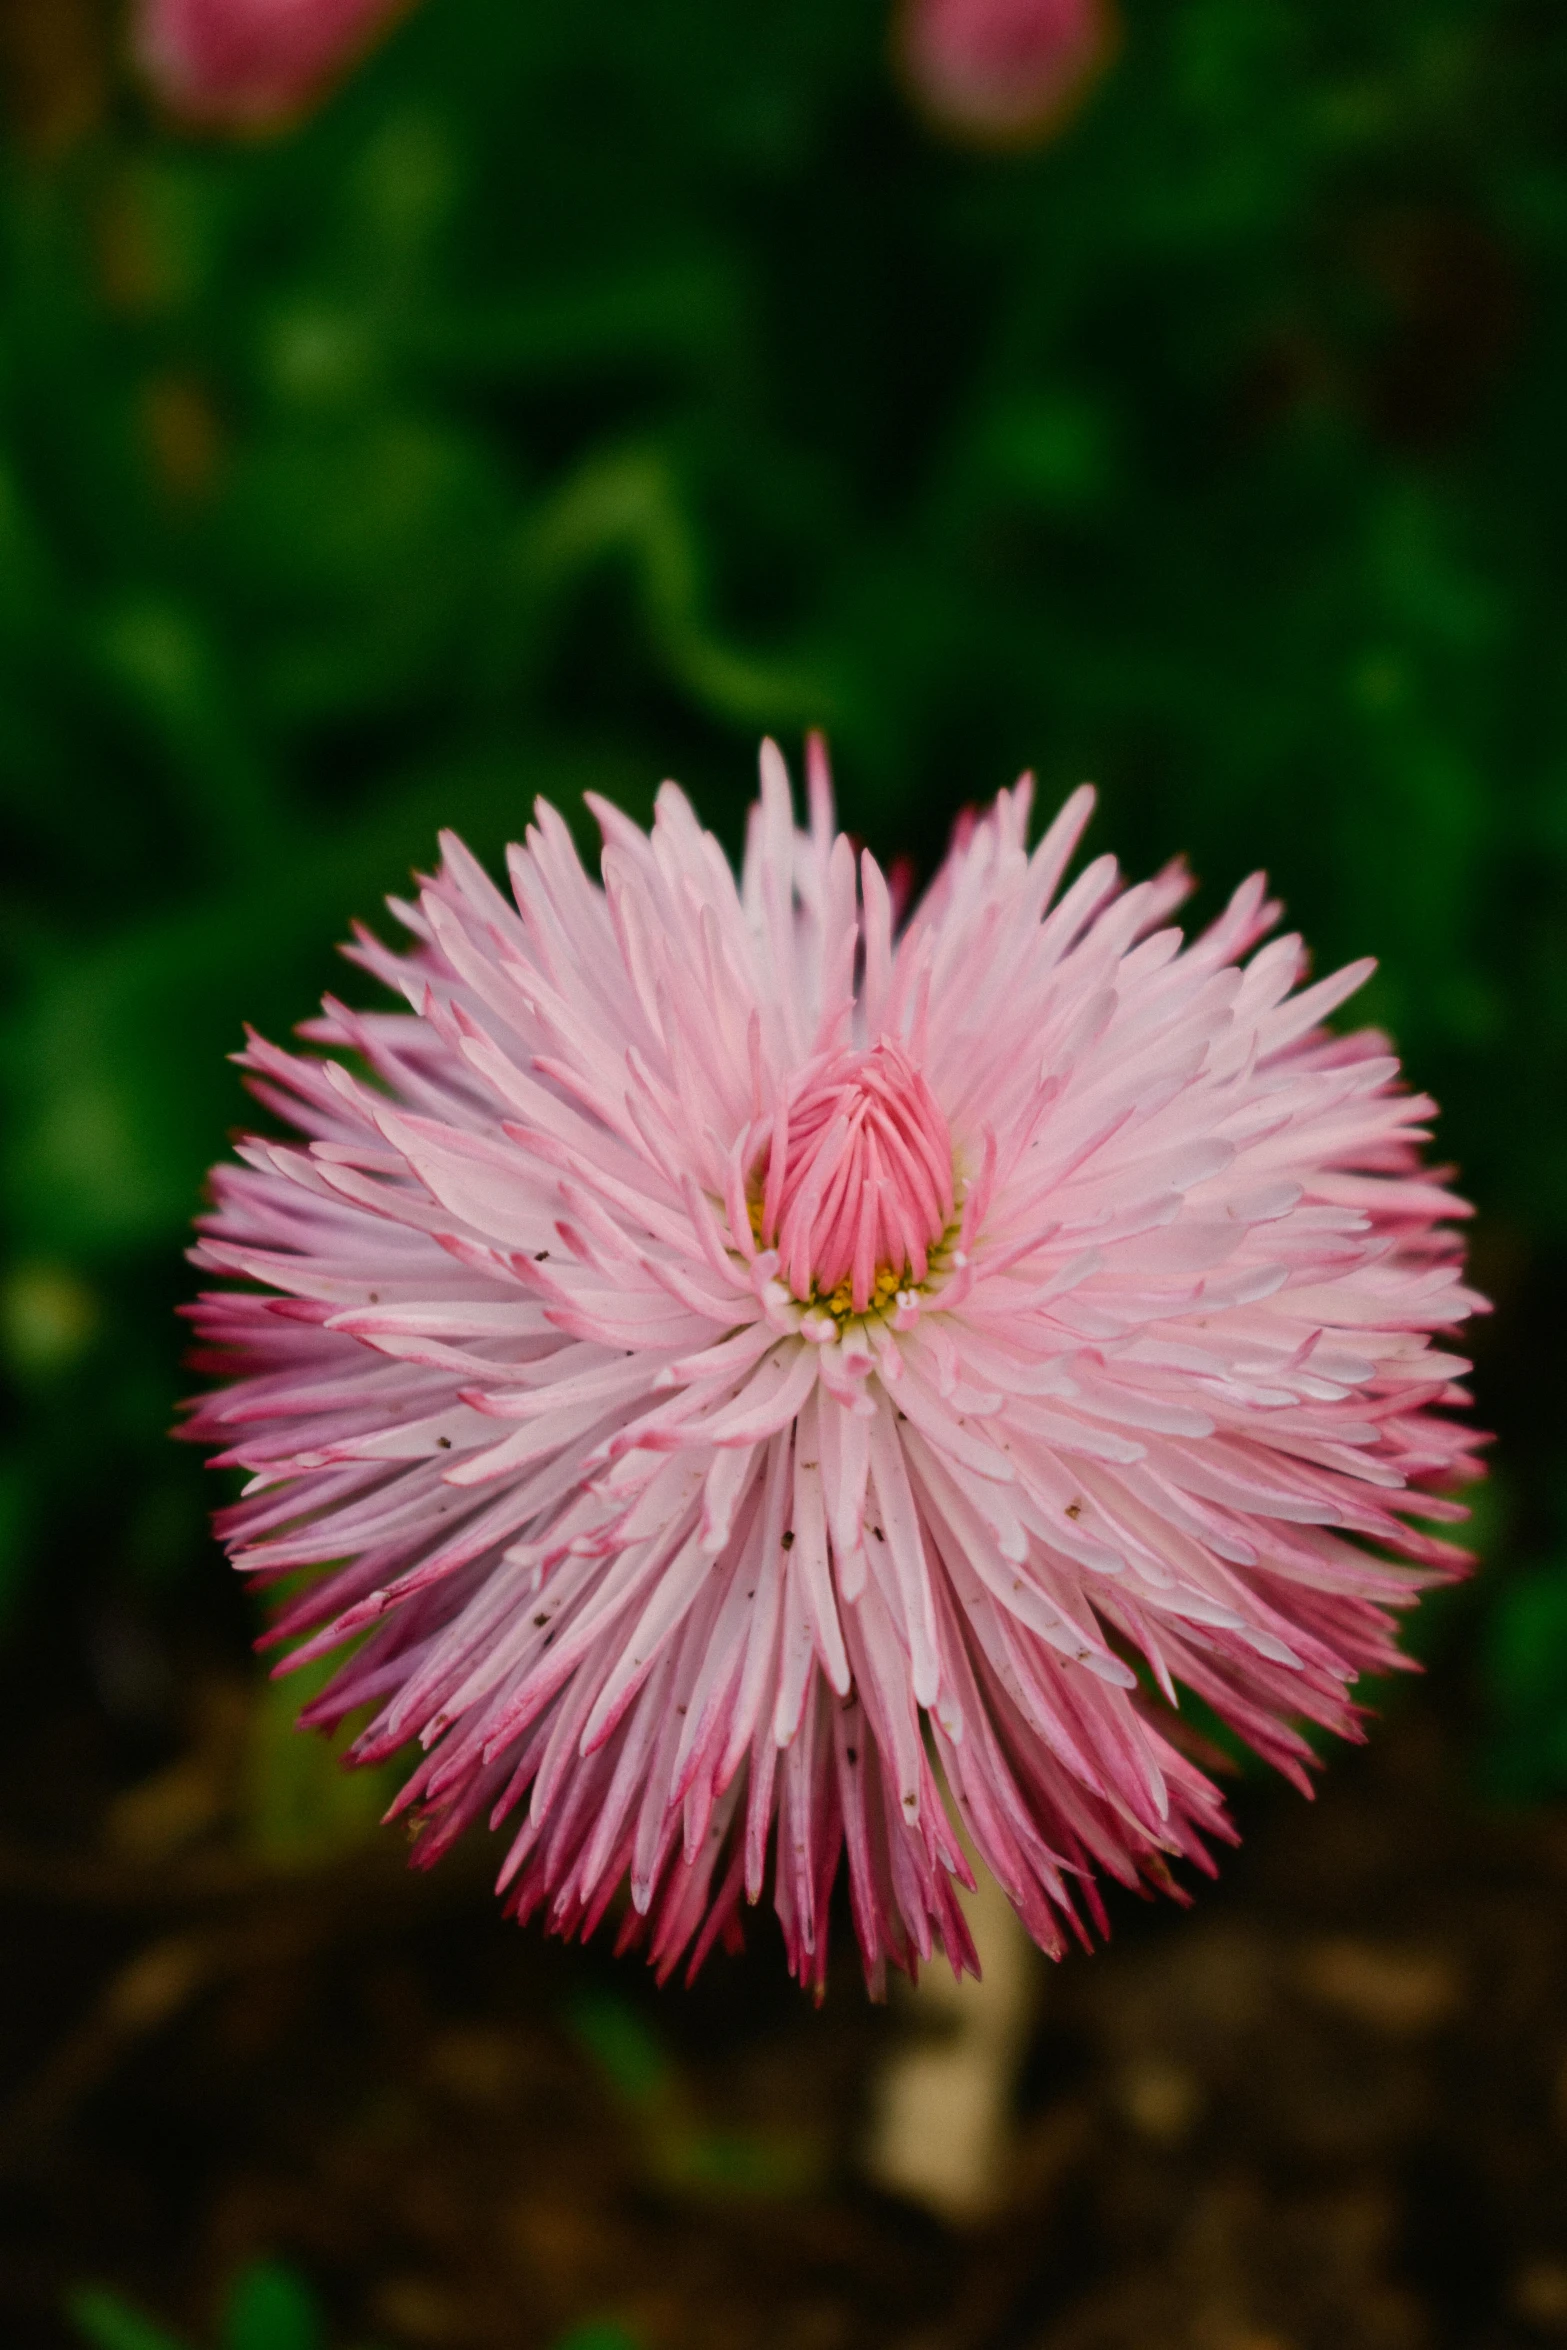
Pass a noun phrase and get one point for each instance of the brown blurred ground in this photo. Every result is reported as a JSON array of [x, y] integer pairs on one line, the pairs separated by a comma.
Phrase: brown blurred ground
[[1327, 2110]]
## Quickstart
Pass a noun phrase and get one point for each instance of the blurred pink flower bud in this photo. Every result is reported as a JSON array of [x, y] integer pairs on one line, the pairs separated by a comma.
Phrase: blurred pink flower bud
[[1002, 72], [244, 63]]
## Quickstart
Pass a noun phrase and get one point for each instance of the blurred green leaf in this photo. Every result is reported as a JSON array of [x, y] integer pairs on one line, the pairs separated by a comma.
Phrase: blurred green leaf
[[739, 2165], [627, 506], [1055, 453], [48, 1319], [1525, 1756], [108, 2323], [271, 2307], [626, 2051], [300, 1806]]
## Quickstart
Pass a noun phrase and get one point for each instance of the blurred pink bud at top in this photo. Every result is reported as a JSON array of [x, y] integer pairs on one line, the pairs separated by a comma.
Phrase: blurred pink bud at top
[[1003, 72], [250, 62]]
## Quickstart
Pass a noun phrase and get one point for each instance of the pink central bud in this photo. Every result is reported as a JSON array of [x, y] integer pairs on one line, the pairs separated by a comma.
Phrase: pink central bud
[[858, 1183]]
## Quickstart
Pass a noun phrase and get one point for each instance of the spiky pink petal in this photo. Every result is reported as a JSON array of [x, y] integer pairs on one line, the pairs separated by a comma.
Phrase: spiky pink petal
[[751, 1385]]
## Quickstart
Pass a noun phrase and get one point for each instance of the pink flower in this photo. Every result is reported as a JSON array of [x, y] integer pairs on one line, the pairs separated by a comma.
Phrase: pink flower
[[754, 1382], [1002, 72], [243, 63]]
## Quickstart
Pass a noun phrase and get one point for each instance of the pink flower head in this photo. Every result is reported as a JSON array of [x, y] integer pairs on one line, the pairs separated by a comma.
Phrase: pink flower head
[[1003, 72], [753, 1383], [243, 63]]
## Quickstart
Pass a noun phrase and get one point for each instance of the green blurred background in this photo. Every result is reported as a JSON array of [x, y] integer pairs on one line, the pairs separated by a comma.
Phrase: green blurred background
[[583, 391]]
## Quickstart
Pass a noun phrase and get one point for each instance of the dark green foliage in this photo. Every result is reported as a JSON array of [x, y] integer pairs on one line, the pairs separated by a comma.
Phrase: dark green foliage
[[631, 2061], [269, 2307], [588, 389], [109, 2323], [272, 2308], [647, 2084], [1526, 1677]]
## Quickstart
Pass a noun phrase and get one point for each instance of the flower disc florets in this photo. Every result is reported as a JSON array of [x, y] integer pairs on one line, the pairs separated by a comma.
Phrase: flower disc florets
[[855, 1192], [751, 1378]]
